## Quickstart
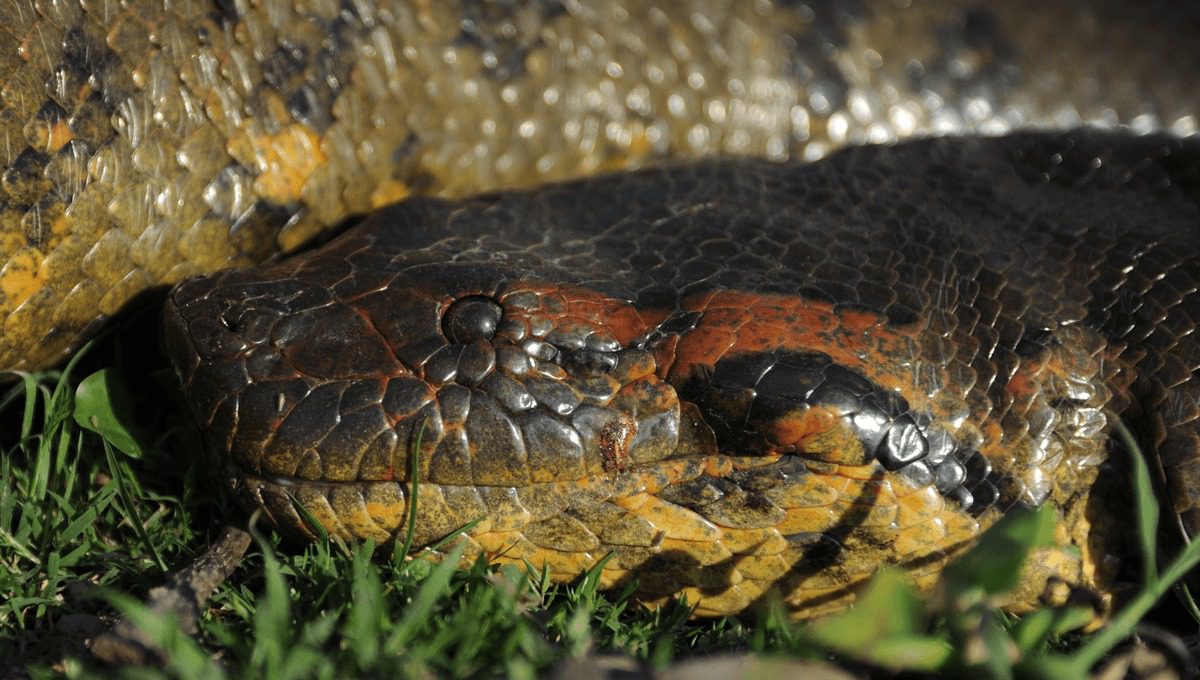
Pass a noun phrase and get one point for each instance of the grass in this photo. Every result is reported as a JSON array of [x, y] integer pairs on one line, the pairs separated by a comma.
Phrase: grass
[[96, 506]]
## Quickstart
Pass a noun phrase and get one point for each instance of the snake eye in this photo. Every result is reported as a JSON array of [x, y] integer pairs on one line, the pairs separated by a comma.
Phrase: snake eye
[[471, 319]]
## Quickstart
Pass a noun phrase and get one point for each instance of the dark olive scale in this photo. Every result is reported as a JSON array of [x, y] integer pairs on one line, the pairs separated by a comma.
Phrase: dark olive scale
[[554, 395], [475, 363], [588, 361], [442, 367]]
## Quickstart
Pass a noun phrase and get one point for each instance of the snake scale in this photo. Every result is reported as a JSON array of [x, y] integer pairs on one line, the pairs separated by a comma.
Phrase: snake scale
[[734, 375]]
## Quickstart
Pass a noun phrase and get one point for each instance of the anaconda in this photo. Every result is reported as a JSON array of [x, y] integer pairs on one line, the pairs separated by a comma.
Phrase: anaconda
[[148, 142], [733, 376]]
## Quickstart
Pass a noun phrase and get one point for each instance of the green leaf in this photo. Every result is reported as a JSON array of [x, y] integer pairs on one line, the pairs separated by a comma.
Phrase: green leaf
[[1052, 667], [910, 652], [103, 405], [995, 563], [1031, 632], [999, 646], [885, 626]]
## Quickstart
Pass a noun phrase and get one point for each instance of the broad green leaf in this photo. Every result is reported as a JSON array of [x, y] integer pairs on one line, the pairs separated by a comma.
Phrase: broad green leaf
[[103, 405], [994, 564], [909, 652], [888, 611]]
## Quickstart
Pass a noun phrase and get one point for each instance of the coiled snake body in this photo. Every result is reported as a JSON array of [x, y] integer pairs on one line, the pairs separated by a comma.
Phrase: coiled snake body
[[735, 375]]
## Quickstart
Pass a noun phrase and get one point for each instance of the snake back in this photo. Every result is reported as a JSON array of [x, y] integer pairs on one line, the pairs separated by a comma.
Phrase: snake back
[[145, 141]]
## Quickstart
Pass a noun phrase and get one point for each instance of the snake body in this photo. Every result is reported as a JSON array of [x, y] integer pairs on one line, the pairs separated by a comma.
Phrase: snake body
[[735, 375], [146, 141]]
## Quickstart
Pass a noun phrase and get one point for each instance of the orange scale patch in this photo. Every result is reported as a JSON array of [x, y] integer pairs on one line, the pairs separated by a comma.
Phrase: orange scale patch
[[814, 491], [285, 161], [617, 317], [506, 545], [319, 507], [1025, 384], [648, 395], [754, 589], [921, 539], [807, 520], [385, 514], [868, 472], [718, 466], [765, 541], [611, 575], [960, 527], [676, 522], [818, 432], [750, 462], [867, 514], [562, 565], [730, 600], [823, 581], [664, 473], [22, 276], [869, 491], [762, 567], [704, 553], [508, 519], [702, 346], [919, 506], [811, 602], [633, 502]]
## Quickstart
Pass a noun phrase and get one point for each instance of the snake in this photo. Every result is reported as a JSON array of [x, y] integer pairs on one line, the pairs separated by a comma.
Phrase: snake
[[760, 365]]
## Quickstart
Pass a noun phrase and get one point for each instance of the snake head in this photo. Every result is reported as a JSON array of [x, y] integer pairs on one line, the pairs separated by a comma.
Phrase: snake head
[[324, 372]]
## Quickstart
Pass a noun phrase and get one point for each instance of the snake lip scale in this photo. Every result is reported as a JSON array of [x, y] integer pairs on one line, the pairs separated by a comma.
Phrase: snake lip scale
[[737, 376]]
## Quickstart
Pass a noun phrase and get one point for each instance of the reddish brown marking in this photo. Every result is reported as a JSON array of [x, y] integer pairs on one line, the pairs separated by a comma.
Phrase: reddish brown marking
[[614, 440], [746, 322], [617, 317], [818, 432], [1027, 384]]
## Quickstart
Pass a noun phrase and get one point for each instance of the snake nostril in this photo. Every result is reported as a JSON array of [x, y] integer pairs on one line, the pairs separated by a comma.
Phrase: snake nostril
[[471, 319]]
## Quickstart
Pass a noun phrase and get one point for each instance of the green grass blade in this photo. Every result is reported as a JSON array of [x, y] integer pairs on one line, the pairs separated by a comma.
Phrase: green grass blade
[[414, 485], [1146, 504], [433, 588], [123, 480]]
